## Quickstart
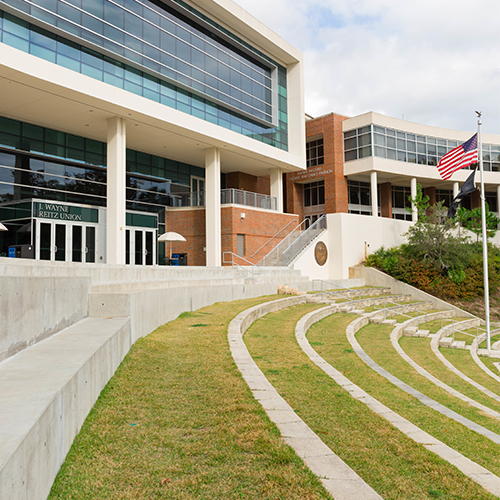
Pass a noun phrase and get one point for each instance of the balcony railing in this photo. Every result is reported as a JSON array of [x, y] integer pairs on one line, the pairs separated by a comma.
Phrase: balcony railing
[[230, 196]]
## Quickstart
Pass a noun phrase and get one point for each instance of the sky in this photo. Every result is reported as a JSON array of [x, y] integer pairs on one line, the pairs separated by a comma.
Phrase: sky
[[432, 62]]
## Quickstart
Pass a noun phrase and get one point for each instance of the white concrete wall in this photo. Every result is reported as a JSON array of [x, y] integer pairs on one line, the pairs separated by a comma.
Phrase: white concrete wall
[[307, 265], [345, 240], [348, 234], [34, 308]]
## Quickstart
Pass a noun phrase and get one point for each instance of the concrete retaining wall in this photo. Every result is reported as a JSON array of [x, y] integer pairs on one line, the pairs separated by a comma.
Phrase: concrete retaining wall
[[42, 408], [32, 309], [150, 309], [374, 277]]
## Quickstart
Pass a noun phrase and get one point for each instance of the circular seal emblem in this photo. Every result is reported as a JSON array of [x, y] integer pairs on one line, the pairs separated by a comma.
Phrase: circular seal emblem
[[320, 253]]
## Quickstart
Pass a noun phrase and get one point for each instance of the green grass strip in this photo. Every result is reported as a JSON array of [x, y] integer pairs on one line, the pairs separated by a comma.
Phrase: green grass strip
[[462, 360], [419, 349], [488, 362], [390, 462], [334, 347], [177, 421], [375, 340]]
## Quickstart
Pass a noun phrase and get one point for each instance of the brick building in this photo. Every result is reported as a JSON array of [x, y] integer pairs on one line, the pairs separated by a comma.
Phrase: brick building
[[370, 165]]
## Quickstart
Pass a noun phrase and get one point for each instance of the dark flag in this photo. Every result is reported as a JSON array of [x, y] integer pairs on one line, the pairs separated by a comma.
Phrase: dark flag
[[468, 187]]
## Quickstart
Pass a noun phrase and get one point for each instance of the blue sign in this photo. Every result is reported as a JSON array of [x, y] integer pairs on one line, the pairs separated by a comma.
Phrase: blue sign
[[12, 252]]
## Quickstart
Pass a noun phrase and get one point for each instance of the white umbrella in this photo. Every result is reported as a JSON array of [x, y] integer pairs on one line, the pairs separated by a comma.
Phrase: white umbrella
[[171, 236], [2, 227]]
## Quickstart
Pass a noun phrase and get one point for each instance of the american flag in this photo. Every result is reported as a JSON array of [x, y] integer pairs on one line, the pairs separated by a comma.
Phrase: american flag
[[460, 157]]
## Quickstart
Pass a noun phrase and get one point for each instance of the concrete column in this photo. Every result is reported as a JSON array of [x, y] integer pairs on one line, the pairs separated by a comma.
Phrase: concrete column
[[277, 187], [116, 189], [374, 196], [413, 193], [455, 189], [498, 200], [212, 207]]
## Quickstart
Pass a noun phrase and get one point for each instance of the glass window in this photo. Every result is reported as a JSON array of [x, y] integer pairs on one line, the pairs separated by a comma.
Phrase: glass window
[[315, 153]]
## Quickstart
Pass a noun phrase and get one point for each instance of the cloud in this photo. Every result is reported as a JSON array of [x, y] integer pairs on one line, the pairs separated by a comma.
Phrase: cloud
[[433, 61]]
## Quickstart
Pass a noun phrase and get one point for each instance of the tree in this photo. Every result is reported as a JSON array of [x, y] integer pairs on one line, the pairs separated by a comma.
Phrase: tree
[[431, 238], [472, 220]]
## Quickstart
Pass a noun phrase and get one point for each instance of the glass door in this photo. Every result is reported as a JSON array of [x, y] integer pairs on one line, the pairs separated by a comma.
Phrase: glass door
[[60, 242], [77, 243], [197, 191], [149, 248], [44, 240], [140, 247], [90, 244]]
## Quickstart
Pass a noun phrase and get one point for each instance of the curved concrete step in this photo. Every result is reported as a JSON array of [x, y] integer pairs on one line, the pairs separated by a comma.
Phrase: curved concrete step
[[476, 472], [337, 477]]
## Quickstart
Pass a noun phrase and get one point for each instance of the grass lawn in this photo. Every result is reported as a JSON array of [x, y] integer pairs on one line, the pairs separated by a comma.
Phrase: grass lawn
[[394, 465], [332, 345], [177, 421], [419, 349], [463, 361], [375, 340]]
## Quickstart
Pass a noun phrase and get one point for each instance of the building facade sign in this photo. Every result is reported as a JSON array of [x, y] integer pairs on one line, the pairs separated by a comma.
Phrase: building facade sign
[[56, 211]]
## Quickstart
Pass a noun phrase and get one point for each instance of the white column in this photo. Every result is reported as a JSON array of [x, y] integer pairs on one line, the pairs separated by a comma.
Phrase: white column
[[455, 189], [498, 199], [374, 195], [413, 192], [212, 207], [116, 188], [277, 187]]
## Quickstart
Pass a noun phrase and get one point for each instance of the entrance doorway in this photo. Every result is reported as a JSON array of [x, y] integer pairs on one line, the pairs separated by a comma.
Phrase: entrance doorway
[[140, 247], [65, 242]]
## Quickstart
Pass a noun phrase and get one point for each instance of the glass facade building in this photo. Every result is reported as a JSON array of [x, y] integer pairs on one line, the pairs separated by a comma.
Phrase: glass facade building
[[170, 54], [167, 52], [381, 142]]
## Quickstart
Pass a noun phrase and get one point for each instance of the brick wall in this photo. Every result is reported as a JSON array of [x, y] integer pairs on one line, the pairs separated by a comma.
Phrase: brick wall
[[386, 199], [247, 182], [258, 226], [332, 171]]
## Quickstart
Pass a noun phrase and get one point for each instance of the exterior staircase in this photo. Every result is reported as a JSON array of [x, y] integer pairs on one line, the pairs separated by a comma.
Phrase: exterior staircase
[[283, 254]]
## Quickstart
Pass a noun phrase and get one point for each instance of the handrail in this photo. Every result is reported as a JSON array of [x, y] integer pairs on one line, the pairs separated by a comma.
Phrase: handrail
[[271, 239], [303, 240], [323, 291], [283, 243], [254, 269]]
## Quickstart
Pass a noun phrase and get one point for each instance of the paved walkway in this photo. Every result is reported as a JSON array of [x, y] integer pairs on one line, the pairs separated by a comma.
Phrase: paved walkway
[[337, 477], [397, 333], [476, 472]]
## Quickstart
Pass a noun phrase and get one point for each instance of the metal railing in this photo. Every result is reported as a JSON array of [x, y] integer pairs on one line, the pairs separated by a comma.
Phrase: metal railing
[[229, 196], [326, 289], [257, 200], [275, 256], [303, 240], [420, 316], [479, 329], [251, 268], [271, 239]]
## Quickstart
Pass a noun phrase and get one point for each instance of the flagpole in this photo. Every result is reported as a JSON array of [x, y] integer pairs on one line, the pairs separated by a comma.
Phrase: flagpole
[[485, 235]]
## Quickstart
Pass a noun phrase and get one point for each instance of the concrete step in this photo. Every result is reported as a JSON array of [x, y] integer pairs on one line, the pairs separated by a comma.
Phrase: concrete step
[[491, 354], [47, 392], [458, 344], [422, 333], [410, 331], [446, 342], [391, 322]]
